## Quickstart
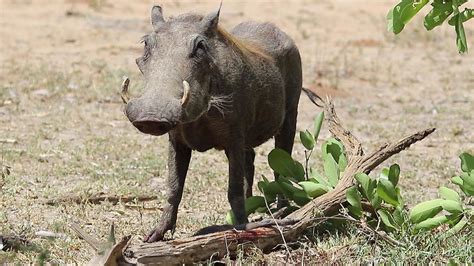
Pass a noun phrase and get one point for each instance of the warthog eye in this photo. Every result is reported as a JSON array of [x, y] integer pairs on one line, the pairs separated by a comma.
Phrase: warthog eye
[[200, 46]]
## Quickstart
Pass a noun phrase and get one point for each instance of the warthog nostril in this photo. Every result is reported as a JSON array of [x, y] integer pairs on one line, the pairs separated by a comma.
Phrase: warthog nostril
[[153, 127]]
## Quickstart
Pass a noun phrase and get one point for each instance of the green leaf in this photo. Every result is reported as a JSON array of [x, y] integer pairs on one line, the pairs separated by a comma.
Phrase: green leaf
[[342, 162], [456, 228], [457, 180], [387, 219], [402, 13], [262, 186], [393, 174], [376, 201], [398, 217], [313, 189], [425, 210], [316, 176], [449, 194], [384, 173], [307, 140], [468, 183], [356, 212], [274, 187], [230, 217], [454, 218], [270, 190], [401, 202], [394, 24], [441, 11], [253, 203], [365, 183], [317, 125], [451, 206], [287, 187], [460, 34], [261, 210], [431, 223], [331, 170], [282, 163], [410, 10], [333, 148], [466, 15], [301, 198], [299, 170], [387, 192], [467, 162], [353, 197]]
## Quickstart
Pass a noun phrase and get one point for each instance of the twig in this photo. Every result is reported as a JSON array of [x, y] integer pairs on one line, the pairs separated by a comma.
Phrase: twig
[[382, 235], [141, 207], [279, 214], [100, 197], [48, 234], [277, 226], [94, 243], [8, 141]]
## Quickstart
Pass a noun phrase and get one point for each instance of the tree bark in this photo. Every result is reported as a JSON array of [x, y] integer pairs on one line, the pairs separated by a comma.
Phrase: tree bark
[[218, 244]]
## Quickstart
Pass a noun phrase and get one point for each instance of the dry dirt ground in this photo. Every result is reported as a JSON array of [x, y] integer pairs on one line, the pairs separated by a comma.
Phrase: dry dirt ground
[[63, 130]]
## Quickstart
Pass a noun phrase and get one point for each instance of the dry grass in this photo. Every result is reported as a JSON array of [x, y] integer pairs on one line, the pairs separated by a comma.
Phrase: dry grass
[[62, 106]]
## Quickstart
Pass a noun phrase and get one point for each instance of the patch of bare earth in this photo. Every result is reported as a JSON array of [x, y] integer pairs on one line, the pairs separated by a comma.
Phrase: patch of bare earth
[[64, 132]]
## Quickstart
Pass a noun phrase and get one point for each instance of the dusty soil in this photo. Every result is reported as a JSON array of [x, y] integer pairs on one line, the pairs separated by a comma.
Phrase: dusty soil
[[63, 132]]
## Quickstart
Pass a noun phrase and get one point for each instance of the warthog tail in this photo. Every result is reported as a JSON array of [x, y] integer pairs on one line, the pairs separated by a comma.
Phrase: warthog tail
[[313, 97]]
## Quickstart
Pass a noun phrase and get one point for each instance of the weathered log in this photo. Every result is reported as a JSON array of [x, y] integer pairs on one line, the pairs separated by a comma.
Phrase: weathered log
[[219, 244]]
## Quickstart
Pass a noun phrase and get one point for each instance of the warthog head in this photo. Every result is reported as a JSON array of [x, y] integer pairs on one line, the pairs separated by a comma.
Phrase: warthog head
[[177, 67]]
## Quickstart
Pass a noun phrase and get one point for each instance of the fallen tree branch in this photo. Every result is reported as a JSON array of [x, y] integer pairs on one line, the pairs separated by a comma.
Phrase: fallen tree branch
[[12, 242], [218, 244], [49, 234], [94, 243], [108, 252], [9, 141], [98, 198]]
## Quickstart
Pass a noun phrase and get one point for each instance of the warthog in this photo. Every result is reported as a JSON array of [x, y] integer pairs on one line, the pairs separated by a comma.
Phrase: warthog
[[209, 88]]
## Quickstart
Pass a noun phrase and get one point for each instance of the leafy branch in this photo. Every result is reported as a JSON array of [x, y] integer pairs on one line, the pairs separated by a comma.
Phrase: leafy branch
[[399, 16]]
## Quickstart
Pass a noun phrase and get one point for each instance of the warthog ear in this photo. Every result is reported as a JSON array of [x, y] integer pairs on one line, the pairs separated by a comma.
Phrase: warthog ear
[[209, 22], [157, 17]]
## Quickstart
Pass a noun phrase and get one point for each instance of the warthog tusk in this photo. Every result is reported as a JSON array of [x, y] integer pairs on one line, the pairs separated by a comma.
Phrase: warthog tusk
[[124, 94], [185, 98]]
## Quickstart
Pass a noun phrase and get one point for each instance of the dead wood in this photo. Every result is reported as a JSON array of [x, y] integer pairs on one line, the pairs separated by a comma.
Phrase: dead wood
[[94, 243], [98, 198], [107, 252], [49, 234], [219, 244], [9, 141], [13, 242]]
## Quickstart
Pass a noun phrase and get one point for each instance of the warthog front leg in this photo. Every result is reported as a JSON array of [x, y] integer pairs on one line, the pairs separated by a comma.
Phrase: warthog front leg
[[235, 194], [178, 163]]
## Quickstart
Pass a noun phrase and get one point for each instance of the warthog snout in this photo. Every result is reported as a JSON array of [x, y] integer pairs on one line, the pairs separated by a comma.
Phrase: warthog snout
[[153, 127], [151, 116]]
